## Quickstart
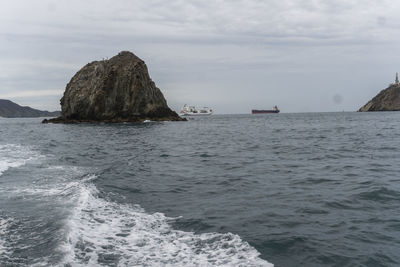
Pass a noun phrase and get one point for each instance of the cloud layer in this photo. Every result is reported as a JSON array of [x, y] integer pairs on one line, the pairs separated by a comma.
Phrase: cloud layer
[[232, 55]]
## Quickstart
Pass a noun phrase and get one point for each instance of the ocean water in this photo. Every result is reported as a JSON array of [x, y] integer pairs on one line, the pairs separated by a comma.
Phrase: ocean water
[[314, 189]]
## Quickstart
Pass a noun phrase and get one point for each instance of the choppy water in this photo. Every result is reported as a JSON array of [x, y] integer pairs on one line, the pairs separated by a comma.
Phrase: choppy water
[[317, 189]]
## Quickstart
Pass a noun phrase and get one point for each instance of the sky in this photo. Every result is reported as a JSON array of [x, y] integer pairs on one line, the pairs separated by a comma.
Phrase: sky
[[233, 56]]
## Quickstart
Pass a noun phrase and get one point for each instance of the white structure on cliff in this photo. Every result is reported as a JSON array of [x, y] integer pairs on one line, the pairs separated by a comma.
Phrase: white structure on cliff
[[396, 82]]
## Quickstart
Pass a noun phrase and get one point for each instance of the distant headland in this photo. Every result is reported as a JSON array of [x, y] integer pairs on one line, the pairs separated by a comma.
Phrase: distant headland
[[115, 90], [9, 109], [387, 100]]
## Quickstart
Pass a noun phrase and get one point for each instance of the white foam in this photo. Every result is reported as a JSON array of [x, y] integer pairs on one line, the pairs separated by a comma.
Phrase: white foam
[[56, 181], [12, 156], [100, 230], [60, 189], [4, 224]]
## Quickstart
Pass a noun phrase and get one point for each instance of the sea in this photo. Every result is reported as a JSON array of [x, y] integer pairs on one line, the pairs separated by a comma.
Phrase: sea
[[304, 189]]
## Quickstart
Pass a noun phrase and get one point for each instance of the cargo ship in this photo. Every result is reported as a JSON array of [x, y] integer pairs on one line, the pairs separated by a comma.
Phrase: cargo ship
[[263, 111], [193, 111]]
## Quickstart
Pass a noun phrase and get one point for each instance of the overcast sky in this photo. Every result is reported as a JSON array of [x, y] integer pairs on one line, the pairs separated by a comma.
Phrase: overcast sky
[[304, 56]]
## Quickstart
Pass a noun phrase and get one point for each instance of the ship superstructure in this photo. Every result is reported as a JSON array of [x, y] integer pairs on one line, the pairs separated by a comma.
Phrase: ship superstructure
[[193, 111]]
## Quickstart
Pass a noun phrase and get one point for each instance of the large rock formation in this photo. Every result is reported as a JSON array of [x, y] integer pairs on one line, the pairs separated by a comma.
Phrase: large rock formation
[[387, 100], [115, 90], [9, 109]]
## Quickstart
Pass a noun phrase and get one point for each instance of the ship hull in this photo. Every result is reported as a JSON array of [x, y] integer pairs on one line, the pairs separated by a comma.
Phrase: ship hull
[[194, 114], [256, 111]]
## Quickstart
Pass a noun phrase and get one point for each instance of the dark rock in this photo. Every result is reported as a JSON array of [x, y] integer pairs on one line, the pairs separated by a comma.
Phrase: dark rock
[[115, 90], [9, 109], [387, 100]]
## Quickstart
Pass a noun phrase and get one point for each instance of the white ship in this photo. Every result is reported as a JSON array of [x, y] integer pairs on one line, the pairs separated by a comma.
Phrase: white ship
[[193, 111]]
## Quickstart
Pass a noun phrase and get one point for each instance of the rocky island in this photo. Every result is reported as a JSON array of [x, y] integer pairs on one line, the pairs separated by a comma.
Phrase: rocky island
[[114, 90], [387, 100], [9, 109]]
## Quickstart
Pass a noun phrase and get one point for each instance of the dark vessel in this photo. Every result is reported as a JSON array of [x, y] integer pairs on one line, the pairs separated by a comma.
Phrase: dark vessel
[[263, 111]]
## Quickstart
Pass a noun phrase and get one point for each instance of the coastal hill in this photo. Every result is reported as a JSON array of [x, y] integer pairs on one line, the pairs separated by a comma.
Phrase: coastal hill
[[114, 90], [9, 109], [387, 100]]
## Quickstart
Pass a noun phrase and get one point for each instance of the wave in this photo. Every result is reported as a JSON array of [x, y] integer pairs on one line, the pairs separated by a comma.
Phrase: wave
[[52, 181], [381, 194], [12, 156], [4, 224], [109, 233]]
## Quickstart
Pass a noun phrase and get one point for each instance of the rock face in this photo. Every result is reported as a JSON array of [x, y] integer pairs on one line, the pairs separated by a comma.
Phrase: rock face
[[9, 109], [115, 90], [387, 100]]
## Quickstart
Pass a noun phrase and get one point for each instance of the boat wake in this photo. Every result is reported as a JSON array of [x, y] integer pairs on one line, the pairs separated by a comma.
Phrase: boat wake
[[12, 156], [88, 229], [109, 233], [4, 225]]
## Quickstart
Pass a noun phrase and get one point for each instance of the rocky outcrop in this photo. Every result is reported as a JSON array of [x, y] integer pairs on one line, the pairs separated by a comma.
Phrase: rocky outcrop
[[115, 90], [387, 100], [9, 109]]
